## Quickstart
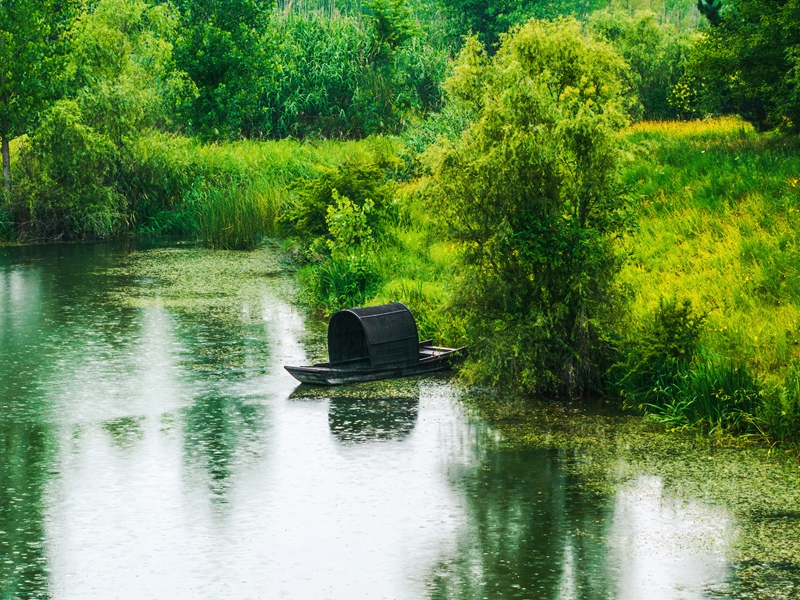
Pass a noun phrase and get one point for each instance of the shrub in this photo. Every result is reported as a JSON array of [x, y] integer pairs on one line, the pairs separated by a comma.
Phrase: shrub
[[358, 179], [341, 281], [780, 409], [659, 353]]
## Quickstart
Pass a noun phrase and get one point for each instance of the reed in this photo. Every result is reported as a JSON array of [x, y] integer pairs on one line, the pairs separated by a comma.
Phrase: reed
[[238, 216]]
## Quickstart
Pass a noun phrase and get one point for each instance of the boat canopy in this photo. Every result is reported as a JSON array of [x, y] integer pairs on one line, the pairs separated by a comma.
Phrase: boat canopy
[[386, 335]]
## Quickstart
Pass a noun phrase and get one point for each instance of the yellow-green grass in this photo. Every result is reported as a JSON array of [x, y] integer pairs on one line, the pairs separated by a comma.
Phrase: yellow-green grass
[[717, 222]]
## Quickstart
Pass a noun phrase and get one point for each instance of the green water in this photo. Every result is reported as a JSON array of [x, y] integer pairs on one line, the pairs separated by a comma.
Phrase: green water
[[154, 447]]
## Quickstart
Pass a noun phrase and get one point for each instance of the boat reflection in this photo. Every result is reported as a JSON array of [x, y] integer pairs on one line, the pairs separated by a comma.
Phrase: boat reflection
[[359, 420]]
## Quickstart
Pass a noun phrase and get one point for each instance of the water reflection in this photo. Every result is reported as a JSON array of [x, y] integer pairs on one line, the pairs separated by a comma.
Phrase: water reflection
[[664, 547], [24, 458], [528, 529], [533, 534], [220, 433], [357, 420], [125, 431], [154, 451]]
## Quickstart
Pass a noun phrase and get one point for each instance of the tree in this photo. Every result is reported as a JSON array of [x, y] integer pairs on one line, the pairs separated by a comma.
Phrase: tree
[[529, 194], [31, 43], [489, 18], [748, 62], [80, 161], [221, 50], [656, 52]]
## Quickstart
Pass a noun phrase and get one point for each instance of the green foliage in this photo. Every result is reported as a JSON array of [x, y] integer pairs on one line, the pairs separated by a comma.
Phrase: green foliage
[[306, 72], [489, 19], [717, 224], [349, 76], [659, 352], [31, 58], [235, 216], [780, 411], [340, 282], [74, 170], [710, 9], [529, 194], [711, 393], [656, 52], [746, 64], [358, 179], [69, 170], [220, 49], [342, 217], [346, 275], [347, 223]]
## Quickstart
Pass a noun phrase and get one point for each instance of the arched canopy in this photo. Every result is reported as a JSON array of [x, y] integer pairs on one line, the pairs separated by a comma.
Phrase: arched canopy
[[386, 335]]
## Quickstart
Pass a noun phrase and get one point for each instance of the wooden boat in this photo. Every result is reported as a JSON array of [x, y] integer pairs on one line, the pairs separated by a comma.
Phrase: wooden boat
[[379, 342]]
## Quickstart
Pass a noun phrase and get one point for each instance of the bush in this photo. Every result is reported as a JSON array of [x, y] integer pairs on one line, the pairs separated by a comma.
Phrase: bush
[[341, 281], [358, 179], [342, 218], [659, 353], [780, 409], [66, 179], [711, 393], [529, 193]]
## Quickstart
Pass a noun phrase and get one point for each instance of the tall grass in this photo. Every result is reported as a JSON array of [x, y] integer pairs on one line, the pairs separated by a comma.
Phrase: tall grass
[[717, 224], [226, 195], [239, 215]]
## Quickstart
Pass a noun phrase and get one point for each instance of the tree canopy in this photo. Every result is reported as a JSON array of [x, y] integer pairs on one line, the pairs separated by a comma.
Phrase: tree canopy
[[529, 194], [31, 42], [748, 62]]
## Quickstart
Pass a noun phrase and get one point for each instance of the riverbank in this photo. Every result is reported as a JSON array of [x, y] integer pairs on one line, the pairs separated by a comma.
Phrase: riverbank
[[715, 224], [711, 269]]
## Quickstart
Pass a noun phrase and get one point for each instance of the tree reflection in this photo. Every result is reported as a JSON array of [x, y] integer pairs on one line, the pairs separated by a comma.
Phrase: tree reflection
[[530, 535], [220, 433], [356, 420], [23, 476]]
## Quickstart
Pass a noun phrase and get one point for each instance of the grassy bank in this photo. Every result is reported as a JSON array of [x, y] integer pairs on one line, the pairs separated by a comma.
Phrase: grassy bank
[[718, 219], [227, 195], [716, 229], [712, 258], [715, 224]]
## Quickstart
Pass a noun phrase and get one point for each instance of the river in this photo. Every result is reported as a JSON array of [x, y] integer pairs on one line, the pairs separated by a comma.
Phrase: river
[[153, 446]]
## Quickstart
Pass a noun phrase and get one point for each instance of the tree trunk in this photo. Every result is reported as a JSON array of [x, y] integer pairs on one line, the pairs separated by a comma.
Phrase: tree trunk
[[6, 154], [4, 127]]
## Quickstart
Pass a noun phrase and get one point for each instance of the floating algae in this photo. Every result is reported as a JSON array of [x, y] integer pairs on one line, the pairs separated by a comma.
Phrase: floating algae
[[603, 453]]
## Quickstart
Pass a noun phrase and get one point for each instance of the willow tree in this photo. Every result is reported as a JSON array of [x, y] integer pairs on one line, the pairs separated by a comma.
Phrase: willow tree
[[31, 32], [529, 194]]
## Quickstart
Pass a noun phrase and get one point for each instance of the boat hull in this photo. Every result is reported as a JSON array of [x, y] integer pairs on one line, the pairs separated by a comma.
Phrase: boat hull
[[432, 359]]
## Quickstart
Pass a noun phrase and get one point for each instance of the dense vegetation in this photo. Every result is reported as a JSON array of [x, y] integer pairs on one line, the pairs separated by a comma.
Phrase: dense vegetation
[[530, 178]]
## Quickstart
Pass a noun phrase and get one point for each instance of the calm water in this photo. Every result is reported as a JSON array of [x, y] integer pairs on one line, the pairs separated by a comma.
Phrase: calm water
[[153, 447]]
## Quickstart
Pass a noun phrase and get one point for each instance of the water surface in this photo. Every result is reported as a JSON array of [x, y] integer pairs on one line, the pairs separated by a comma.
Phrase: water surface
[[154, 447]]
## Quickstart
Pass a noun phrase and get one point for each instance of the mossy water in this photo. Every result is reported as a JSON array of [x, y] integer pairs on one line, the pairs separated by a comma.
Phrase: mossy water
[[153, 446]]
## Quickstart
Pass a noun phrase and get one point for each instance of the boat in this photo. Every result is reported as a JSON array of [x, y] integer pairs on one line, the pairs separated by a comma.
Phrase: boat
[[378, 342]]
